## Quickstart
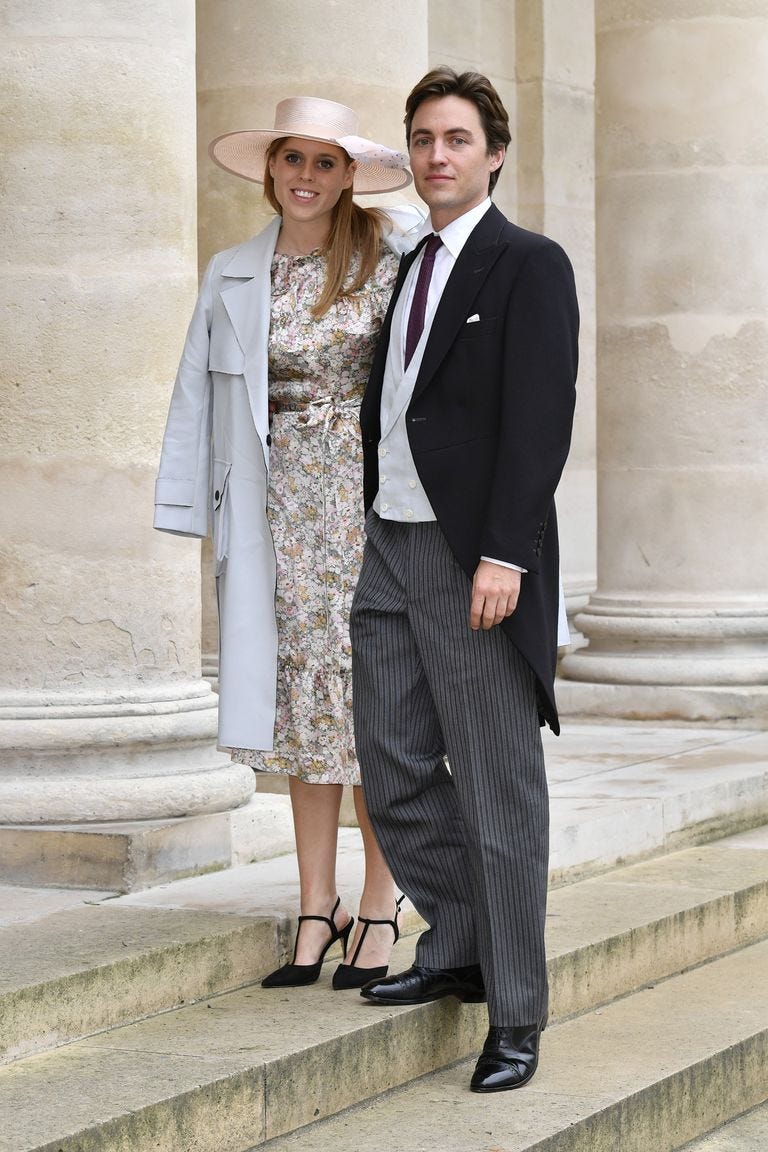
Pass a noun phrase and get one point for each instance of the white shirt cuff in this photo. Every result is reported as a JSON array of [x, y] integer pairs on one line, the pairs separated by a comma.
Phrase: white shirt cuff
[[504, 564]]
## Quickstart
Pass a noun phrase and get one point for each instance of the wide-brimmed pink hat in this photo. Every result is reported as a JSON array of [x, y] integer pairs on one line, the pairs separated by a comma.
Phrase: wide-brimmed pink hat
[[379, 169]]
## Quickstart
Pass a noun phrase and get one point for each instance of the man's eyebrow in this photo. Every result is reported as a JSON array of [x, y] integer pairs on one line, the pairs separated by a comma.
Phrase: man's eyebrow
[[447, 132]]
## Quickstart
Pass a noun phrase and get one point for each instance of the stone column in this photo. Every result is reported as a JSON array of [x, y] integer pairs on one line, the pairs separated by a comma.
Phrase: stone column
[[367, 55], [553, 150], [103, 715], [475, 36], [678, 628], [540, 58]]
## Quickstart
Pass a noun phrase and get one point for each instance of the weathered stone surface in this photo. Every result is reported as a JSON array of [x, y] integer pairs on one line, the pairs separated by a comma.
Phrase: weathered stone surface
[[103, 715], [681, 348], [286, 1059]]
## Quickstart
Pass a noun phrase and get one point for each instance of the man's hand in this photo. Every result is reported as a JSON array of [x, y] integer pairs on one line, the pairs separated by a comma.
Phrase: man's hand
[[495, 590]]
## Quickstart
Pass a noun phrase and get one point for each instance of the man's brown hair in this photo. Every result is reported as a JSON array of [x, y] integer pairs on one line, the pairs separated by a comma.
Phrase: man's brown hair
[[472, 86]]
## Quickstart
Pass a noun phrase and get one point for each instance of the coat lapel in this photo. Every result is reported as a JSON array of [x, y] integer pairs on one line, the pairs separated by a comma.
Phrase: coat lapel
[[245, 295], [475, 261]]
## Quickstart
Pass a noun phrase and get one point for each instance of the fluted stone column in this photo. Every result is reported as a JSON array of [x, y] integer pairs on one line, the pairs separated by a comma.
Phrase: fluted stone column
[[540, 58], [678, 627], [367, 55], [104, 717], [553, 150], [476, 36]]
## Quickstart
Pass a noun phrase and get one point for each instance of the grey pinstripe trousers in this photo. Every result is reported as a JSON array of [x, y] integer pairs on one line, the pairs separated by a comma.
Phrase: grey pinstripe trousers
[[468, 846]]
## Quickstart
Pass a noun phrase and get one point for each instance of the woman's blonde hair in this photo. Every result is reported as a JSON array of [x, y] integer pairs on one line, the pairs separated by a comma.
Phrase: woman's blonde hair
[[354, 230]]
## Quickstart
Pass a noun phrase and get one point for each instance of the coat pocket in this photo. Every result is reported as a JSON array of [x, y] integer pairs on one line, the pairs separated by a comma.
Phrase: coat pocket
[[221, 515], [478, 328]]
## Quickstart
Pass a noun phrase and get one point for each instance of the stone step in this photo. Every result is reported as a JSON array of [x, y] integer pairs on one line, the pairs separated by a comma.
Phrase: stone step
[[747, 1133], [650, 1071], [86, 969], [647, 1073], [82, 970], [232, 1071]]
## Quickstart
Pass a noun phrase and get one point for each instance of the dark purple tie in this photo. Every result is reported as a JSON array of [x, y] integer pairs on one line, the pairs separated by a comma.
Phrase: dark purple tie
[[419, 302]]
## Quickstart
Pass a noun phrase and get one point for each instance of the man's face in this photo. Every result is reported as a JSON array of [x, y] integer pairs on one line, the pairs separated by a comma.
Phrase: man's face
[[449, 157]]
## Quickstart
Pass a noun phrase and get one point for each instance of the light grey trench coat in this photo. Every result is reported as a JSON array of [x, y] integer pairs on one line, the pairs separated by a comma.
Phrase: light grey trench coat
[[214, 464]]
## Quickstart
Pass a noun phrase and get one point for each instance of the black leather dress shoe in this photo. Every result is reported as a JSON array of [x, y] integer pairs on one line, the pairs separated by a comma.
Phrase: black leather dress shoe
[[420, 985], [508, 1059]]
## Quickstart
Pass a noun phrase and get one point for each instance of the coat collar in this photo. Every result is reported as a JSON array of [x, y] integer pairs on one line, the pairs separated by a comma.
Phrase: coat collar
[[248, 259]]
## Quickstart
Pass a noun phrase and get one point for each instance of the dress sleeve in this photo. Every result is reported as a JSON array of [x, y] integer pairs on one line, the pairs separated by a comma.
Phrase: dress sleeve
[[405, 220]]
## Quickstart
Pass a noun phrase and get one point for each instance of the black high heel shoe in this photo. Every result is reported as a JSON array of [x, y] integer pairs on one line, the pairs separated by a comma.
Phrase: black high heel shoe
[[293, 975], [346, 975]]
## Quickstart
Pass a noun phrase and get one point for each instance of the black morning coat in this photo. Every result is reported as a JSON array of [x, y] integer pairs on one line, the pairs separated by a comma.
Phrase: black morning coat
[[489, 422]]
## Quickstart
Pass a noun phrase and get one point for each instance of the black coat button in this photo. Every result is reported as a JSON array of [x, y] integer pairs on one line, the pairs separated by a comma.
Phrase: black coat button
[[269, 440], [216, 494]]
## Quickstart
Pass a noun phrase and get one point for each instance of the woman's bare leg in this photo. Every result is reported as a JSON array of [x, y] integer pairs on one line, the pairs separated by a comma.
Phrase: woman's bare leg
[[378, 898], [316, 824]]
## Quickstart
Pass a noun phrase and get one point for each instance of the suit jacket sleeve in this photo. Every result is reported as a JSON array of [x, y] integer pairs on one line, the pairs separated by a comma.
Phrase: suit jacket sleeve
[[540, 355], [183, 482]]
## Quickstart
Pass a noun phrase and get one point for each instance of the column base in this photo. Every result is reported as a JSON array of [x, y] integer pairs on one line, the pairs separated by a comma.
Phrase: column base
[[719, 706], [210, 669], [576, 600], [128, 856], [114, 757], [667, 659], [114, 857]]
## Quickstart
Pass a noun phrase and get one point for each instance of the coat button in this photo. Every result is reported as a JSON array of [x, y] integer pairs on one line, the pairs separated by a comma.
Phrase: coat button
[[269, 440], [216, 494]]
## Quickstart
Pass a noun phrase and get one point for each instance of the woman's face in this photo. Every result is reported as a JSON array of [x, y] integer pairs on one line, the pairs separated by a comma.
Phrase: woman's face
[[309, 177]]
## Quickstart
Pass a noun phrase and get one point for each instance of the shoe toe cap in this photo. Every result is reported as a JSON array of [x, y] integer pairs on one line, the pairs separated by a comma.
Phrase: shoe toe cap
[[494, 1074]]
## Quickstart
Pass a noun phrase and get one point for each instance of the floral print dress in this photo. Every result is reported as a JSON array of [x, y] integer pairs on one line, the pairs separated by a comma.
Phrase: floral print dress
[[317, 374]]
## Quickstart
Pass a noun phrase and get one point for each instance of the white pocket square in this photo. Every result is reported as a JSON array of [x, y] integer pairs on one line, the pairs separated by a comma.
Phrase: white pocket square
[[473, 319]]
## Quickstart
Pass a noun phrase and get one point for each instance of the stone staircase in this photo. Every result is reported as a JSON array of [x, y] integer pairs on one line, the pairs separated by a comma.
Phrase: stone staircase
[[130, 1028], [746, 1133]]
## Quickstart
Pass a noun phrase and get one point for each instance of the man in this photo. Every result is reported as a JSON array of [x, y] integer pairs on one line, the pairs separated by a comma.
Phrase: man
[[466, 428]]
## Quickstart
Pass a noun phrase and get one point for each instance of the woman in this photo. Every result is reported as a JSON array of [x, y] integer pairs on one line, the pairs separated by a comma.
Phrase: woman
[[263, 428]]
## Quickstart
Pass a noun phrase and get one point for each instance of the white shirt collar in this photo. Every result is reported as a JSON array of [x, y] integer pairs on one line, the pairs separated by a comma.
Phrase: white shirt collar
[[455, 235]]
